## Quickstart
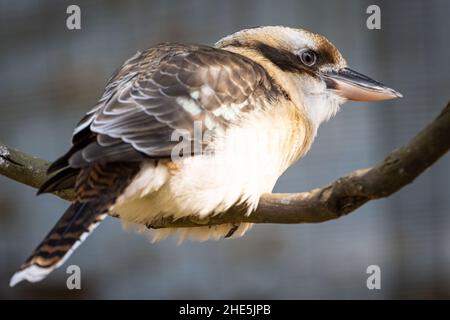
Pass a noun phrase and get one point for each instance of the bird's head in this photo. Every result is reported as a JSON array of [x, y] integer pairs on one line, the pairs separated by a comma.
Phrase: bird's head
[[308, 66]]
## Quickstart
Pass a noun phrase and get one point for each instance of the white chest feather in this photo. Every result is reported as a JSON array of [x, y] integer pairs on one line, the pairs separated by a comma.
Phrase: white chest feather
[[246, 162]]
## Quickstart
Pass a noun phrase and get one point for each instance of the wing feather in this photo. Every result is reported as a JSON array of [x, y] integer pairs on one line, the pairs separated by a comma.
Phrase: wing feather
[[166, 88]]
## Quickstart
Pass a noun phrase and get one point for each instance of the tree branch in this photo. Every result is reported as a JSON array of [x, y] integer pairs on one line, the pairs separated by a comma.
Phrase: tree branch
[[26, 169], [341, 197]]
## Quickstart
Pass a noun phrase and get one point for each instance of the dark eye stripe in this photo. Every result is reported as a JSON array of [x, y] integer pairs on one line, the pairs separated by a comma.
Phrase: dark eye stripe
[[285, 60]]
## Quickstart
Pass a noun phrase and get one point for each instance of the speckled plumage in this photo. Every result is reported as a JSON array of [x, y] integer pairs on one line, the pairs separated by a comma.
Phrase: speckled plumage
[[259, 106]]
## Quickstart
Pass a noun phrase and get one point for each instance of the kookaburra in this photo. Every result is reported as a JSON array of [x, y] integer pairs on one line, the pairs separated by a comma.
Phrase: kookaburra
[[256, 98]]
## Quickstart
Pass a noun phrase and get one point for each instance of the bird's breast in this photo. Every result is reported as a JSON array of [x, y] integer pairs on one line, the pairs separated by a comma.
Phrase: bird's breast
[[242, 164]]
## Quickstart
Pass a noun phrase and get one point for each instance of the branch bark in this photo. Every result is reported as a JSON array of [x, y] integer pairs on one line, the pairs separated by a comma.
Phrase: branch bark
[[339, 198]]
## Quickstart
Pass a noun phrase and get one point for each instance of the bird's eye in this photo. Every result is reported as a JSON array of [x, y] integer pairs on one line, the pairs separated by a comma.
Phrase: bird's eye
[[308, 57]]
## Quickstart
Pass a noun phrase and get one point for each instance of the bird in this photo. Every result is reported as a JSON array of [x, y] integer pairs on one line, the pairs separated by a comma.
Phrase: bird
[[194, 130]]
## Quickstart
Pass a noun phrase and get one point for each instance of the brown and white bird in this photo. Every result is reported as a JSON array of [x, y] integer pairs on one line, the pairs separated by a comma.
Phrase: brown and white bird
[[249, 107]]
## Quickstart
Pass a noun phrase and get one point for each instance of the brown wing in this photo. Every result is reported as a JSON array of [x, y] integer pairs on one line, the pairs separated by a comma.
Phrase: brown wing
[[166, 88]]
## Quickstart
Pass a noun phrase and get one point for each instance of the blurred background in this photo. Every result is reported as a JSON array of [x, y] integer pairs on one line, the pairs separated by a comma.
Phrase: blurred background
[[50, 76]]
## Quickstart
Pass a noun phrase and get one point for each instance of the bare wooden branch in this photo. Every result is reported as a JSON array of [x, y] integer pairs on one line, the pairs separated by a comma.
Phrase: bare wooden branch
[[341, 197], [26, 169]]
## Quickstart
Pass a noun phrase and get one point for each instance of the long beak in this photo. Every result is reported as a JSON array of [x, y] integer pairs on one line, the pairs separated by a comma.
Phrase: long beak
[[353, 85]]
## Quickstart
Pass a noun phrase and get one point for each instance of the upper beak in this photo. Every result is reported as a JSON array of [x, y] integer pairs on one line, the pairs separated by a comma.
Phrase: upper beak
[[353, 85]]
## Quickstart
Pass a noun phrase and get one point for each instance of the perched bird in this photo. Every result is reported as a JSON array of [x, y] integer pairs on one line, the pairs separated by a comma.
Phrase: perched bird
[[244, 110]]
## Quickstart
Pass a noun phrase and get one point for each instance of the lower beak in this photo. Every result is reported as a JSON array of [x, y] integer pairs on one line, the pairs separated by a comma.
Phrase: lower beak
[[353, 85]]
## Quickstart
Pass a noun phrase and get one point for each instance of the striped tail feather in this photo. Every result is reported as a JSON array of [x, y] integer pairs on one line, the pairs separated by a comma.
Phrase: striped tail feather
[[79, 220]]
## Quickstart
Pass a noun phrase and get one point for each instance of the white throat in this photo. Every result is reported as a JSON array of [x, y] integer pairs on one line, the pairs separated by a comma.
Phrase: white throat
[[319, 103], [321, 107]]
